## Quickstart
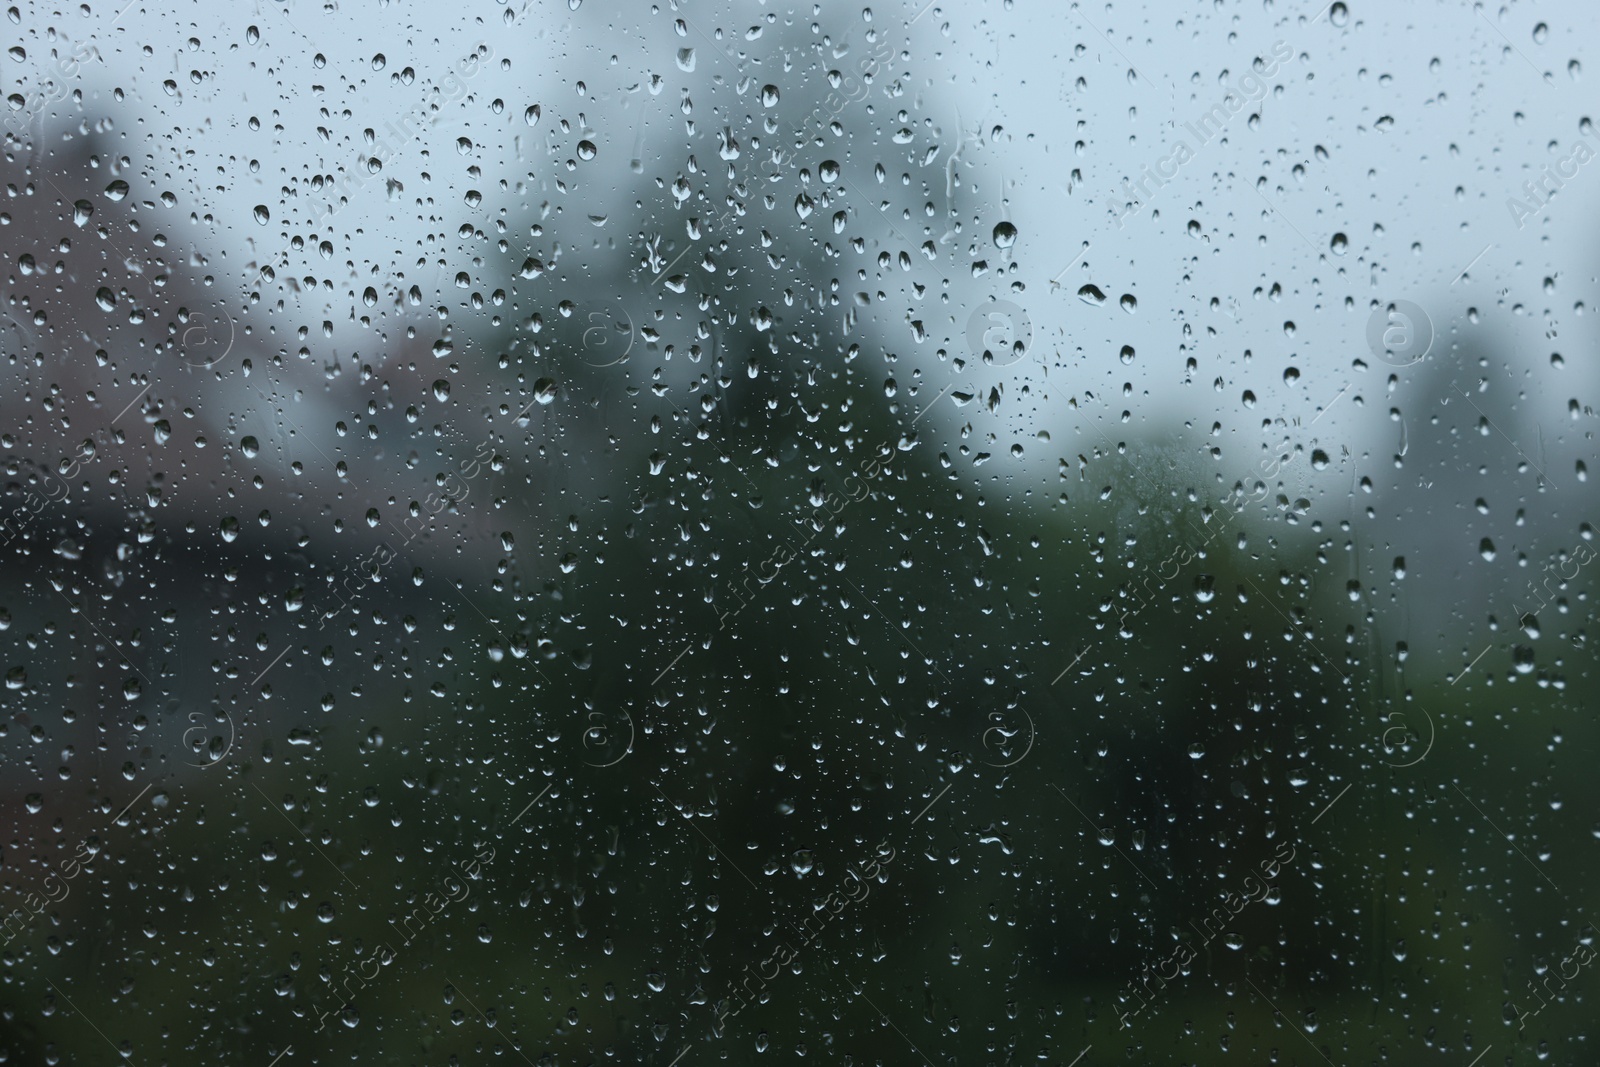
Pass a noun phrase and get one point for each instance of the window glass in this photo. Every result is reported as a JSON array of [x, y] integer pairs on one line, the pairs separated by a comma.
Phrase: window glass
[[674, 532]]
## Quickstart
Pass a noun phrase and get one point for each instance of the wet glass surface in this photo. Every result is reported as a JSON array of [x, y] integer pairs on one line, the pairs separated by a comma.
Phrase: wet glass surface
[[999, 532]]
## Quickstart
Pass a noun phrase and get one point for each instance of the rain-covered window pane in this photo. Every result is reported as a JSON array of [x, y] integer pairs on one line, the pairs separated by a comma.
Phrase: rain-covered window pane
[[981, 532]]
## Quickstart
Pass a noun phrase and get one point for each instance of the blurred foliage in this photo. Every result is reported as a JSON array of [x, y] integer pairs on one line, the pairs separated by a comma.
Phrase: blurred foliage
[[964, 656]]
